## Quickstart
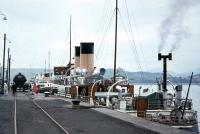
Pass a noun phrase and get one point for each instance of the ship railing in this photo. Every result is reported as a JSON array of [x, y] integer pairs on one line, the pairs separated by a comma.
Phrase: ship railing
[[171, 103], [170, 120], [85, 98], [71, 82], [154, 104], [156, 112], [162, 117]]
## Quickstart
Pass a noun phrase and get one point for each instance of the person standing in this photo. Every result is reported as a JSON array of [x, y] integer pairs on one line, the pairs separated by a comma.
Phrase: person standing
[[14, 88], [5, 89], [34, 88]]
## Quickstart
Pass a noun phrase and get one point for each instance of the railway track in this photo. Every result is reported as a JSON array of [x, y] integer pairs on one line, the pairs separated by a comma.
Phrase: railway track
[[38, 107], [15, 115], [85, 121]]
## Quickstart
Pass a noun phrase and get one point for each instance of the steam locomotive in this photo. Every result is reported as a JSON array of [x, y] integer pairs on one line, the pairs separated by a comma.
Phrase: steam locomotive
[[20, 82]]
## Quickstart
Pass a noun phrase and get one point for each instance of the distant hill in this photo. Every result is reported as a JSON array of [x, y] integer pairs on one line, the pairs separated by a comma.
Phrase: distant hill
[[134, 77], [29, 73], [149, 77], [143, 77], [196, 78]]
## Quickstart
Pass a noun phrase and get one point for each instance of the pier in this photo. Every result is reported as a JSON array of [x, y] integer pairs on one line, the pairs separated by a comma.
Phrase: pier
[[28, 114]]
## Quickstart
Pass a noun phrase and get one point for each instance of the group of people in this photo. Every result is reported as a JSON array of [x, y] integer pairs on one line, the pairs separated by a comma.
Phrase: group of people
[[6, 88], [34, 88]]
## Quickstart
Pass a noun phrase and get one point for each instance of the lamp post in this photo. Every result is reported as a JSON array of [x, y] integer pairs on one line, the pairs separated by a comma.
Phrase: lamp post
[[4, 49], [8, 69], [0, 70], [2, 91], [4, 16]]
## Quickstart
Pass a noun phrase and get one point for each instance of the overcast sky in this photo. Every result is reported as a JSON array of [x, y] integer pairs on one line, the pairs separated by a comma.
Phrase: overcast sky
[[35, 27]]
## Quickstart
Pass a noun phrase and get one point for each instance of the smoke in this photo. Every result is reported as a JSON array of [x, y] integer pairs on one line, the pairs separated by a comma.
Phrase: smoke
[[173, 24], [180, 34]]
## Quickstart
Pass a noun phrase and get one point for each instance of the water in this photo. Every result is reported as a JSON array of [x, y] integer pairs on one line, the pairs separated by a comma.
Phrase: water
[[194, 94]]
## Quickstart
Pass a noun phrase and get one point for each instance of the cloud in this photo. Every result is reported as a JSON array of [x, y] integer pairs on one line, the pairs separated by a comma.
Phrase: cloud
[[40, 25], [86, 1], [58, 45]]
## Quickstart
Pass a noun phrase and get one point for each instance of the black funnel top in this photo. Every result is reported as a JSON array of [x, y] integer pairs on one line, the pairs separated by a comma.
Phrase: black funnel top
[[87, 48], [77, 51]]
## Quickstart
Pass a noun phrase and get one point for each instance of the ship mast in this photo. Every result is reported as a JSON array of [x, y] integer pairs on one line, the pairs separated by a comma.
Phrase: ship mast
[[70, 43], [115, 54], [49, 67], [45, 66]]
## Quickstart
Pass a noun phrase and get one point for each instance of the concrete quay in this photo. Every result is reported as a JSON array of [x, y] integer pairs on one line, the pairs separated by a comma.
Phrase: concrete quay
[[84, 120]]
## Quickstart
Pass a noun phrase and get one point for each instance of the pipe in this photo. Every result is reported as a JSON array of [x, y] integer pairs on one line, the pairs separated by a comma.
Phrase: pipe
[[165, 57], [91, 98], [109, 90]]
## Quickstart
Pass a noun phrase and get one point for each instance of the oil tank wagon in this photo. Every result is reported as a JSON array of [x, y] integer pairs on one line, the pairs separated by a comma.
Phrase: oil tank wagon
[[19, 81]]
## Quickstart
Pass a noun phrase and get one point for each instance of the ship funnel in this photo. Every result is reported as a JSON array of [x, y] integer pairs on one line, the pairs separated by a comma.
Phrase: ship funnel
[[87, 56], [77, 57], [164, 58]]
